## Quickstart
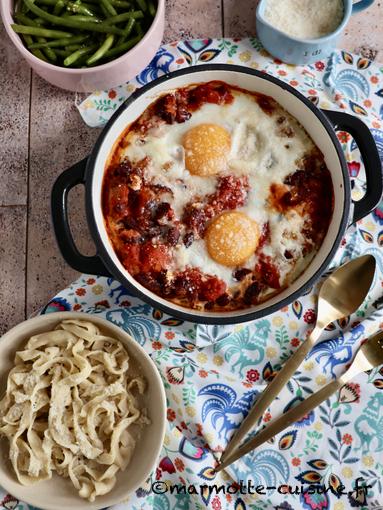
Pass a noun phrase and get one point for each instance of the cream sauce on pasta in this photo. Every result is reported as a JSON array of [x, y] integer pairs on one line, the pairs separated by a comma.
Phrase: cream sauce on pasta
[[68, 408]]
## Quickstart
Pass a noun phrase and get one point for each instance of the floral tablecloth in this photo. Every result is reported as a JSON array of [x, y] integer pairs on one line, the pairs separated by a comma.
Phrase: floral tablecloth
[[212, 375]]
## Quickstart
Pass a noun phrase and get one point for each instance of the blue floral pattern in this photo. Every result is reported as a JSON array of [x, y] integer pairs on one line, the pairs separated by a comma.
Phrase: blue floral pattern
[[160, 65]]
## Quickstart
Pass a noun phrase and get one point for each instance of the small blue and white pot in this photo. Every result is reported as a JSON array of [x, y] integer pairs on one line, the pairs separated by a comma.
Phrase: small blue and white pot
[[292, 50]]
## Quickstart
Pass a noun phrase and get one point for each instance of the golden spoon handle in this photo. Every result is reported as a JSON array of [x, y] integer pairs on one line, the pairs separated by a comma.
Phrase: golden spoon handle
[[273, 390], [284, 421]]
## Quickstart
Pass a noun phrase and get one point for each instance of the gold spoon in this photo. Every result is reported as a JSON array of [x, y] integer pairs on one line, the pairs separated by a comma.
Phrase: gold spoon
[[340, 295], [369, 356]]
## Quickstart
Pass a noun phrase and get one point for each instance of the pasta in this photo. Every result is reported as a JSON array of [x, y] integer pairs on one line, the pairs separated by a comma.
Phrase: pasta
[[68, 408]]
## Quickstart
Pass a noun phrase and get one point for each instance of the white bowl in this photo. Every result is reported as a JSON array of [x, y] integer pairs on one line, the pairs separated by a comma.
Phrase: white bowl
[[59, 493]]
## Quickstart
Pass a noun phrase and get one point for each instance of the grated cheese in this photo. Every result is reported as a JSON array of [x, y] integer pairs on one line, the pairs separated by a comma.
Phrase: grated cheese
[[305, 19]]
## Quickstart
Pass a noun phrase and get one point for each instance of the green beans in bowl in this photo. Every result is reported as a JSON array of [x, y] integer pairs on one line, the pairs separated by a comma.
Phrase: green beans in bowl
[[85, 45]]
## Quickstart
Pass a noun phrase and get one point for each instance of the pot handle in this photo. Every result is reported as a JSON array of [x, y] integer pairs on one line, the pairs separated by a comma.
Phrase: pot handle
[[370, 156], [59, 206], [361, 5]]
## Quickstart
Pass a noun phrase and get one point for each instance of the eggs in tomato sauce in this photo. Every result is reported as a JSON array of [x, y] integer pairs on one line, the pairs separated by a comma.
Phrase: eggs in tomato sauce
[[227, 187]]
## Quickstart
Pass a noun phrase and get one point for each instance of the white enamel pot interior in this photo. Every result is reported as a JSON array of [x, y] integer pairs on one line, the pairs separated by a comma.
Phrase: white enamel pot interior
[[308, 115]]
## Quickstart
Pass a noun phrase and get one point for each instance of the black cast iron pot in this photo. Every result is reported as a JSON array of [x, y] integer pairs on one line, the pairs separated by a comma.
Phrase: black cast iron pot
[[320, 125]]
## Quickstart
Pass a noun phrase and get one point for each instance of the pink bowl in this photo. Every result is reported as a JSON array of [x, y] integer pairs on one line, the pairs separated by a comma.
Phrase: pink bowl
[[105, 76]]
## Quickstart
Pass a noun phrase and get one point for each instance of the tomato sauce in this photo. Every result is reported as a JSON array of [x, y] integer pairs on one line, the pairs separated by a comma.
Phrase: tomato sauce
[[144, 230]]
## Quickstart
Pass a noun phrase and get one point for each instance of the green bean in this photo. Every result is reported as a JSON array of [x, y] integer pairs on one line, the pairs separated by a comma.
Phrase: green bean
[[71, 59], [49, 53], [46, 2], [28, 39], [129, 26], [24, 9], [81, 62], [73, 47], [152, 9], [77, 43], [67, 22], [121, 4], [116, 3], [128, 29], [138, 29], [105, 46], [60, 5], [41, 32], [104, 11], [63, 53], [60, 42], [123, 17], [78, 9], [39, 54], [18, 7], [94, 8], [25, 20], [109, 7], [32, 23], [40, 21], [85, 19], [122, 48], [142, 5]]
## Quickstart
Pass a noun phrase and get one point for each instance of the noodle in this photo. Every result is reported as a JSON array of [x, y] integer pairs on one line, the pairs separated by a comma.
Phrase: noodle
[[68, 406]]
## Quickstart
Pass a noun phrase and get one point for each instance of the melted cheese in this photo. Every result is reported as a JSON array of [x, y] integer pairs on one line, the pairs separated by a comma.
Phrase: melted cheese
[[286, 234], [197, 256], [259, 149]]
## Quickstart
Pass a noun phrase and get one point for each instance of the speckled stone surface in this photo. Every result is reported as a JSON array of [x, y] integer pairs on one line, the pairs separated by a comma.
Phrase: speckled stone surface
[[58, 138], [239, 18], [15, 79], [12, 262], [364, 33], [186, 19]]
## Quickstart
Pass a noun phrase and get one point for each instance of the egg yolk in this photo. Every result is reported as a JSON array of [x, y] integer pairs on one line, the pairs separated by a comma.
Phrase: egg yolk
[[207, 148], [232, 238]]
